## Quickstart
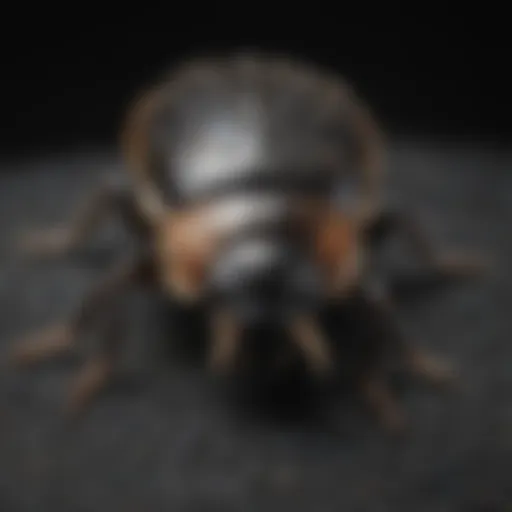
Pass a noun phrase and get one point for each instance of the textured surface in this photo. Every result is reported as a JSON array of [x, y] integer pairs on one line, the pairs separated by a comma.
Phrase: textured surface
[[173, 442]]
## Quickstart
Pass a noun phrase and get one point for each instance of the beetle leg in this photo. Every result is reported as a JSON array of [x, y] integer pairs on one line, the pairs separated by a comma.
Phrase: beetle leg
[[382, 337], [225, 342], [308, 338], [59, 339], [98, 370], [111, 197], [460, 264], [379, 397], [43, 344], [428, 367], [418, 362], [378, 332]]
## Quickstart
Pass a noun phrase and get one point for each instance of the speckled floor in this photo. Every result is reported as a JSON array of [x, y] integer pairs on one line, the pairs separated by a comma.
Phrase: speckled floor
[[173, 441]]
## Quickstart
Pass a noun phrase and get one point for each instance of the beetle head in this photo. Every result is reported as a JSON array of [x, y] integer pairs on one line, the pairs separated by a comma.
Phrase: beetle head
[[265, 280], [262, 279]]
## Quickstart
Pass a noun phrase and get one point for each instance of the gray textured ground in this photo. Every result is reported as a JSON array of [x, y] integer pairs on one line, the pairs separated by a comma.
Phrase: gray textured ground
[[173, 442]]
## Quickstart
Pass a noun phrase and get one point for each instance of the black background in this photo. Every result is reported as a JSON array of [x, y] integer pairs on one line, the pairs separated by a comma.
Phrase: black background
[[68, 77]]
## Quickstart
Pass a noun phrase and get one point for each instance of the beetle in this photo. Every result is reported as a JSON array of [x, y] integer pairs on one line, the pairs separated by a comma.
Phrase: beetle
[[254, 186]]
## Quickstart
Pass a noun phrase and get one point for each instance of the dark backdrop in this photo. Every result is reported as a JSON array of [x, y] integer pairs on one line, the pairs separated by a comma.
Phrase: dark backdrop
[[67, 79]]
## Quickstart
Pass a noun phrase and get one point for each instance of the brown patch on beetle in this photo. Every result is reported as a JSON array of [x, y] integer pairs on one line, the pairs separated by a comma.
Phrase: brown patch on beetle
[[188, 240], [336, 243], [185, 244]]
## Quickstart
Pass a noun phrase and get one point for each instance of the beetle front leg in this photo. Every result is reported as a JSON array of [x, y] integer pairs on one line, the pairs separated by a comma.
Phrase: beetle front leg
[[111, 197]]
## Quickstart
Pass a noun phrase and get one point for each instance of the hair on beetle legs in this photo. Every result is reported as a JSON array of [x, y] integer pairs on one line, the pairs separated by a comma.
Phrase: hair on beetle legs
[[110, 197], [59, 339]]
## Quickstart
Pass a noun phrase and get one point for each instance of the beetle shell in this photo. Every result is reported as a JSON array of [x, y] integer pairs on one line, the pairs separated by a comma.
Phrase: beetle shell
[[245, 143], [241, 122]]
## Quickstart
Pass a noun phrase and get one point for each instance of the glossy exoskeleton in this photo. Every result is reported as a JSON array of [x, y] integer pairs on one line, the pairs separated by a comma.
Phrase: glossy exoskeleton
[[255, 187]]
